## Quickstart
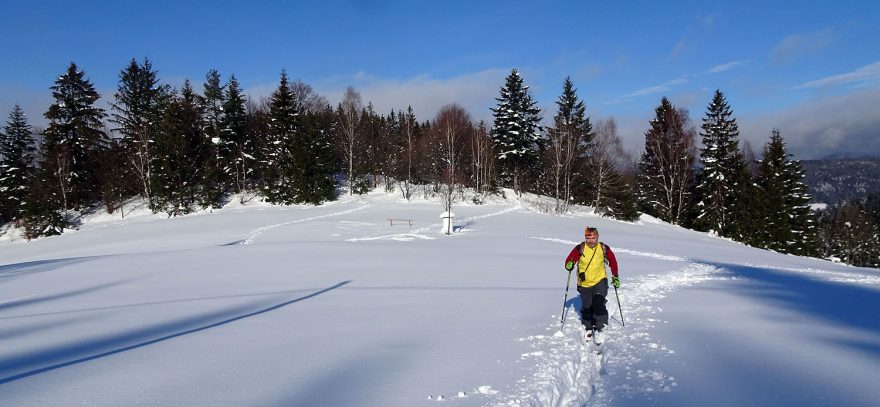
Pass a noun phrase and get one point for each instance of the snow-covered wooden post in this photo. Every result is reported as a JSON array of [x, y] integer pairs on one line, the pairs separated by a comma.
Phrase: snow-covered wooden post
[[446, 217]]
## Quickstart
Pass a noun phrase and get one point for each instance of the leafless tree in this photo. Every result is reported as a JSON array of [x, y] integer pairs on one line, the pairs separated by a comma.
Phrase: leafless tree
[[605, 152], [349, 112], [307, 100], [451, 128], [481, 151], [565, 145]]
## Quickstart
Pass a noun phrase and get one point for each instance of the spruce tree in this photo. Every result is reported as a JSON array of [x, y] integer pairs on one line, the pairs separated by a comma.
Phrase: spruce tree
[[664, 182], [136, 112], [788, 225], [179, 154], [279, 165], [73, 140], [569, 140], [236, 149], [313, 171], [723, 169], [849, 234], [16, 165], [211, 103], [516, 132]]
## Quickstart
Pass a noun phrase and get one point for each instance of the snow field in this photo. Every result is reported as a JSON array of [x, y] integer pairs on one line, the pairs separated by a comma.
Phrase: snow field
[[331, 305]]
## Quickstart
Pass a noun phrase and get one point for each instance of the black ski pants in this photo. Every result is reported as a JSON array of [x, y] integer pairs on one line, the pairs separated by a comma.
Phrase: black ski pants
[[594, 314]]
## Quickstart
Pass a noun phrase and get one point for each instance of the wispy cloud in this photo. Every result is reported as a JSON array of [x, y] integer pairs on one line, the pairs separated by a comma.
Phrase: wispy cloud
[[677, 82], [677, 50], [708, 21], [726, 67], [797, 45], [866, 76]]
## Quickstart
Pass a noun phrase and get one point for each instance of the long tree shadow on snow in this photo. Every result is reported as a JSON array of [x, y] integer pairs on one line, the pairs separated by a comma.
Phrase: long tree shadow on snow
[[30, 364], [834, 303], [28, 267], [57, 296]]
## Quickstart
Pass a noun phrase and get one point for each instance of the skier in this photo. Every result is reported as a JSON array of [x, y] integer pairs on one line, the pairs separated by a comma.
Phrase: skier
[[590, 257]]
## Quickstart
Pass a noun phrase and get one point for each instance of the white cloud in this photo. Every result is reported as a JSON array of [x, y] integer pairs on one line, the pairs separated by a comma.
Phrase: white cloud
[[798, 45], [865, 76], [844, 125], [476, 92]]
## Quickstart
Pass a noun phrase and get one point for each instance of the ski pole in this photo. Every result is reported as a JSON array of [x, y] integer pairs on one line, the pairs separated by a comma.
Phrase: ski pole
[[619, 308], [567, 283]]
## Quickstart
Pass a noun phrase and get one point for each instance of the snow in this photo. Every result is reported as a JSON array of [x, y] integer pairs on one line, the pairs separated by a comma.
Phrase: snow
[[262, 305]]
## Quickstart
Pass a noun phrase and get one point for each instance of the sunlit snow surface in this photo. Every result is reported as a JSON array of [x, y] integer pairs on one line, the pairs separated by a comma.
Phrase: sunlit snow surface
[[261, 305]]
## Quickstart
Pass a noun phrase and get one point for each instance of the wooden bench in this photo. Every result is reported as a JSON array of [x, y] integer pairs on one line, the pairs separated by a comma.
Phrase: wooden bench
[[408, 221]]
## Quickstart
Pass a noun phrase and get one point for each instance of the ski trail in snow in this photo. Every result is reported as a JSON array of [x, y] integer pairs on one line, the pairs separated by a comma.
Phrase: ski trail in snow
[[419, 233], [857, 276], [258, 231], [618, 250], [568, 372]]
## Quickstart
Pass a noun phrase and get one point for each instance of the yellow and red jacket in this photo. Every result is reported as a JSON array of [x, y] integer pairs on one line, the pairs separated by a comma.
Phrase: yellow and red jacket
[[591, 263]]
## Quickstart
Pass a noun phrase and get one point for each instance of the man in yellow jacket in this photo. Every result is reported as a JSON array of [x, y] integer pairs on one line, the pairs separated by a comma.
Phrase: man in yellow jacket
[[590, 258]]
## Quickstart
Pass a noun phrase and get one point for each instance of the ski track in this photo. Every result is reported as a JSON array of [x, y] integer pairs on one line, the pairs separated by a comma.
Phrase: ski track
[[857, 276], [568, 372], [252, 235], [419, 233], [657, 256]]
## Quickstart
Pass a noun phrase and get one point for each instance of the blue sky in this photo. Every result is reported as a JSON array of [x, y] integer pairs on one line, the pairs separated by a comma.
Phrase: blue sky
[[809, 68]]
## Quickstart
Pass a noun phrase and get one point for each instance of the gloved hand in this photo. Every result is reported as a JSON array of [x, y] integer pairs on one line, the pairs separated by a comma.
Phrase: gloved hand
[[615, 281], [569, 266]]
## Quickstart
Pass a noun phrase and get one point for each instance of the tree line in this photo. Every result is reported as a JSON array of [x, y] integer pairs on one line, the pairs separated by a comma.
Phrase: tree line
[[180, 150]]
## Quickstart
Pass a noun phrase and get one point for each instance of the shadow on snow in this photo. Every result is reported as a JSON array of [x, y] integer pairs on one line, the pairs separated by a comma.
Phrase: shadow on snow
[[26, 365]]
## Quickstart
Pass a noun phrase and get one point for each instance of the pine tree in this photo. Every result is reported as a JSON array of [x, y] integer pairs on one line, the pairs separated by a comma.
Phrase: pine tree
[[788, 225], [516, 133], [279, 165], [409, 137], [236, 149], [136, 113], [313, 172], [851, 235], [569, 139], [723, 169], [665, 178], [73, 139], [179, 149], [211, 104], [16, 165]]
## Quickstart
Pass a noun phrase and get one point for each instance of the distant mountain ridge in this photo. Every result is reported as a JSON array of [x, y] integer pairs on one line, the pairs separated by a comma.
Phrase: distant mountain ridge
[[832, 181]]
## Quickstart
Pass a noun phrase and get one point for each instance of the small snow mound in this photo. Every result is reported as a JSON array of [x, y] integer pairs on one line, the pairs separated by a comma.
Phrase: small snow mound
[[486, 389]]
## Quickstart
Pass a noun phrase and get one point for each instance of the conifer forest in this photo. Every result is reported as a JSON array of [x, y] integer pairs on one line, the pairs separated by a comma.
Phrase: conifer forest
[[179, 150]]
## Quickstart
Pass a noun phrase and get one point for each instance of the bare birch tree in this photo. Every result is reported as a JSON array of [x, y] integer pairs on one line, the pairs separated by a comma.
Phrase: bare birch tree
[[481, 151], [605, 152], [451, 128], [349, 112]]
